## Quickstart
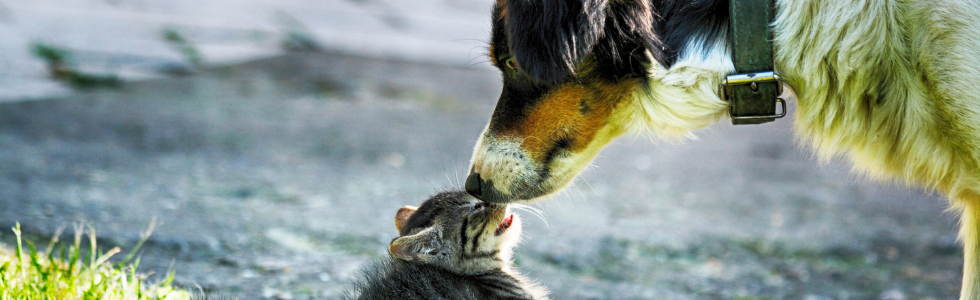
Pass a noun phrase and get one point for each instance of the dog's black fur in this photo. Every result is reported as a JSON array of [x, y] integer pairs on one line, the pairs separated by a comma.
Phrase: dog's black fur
[[663, 27]]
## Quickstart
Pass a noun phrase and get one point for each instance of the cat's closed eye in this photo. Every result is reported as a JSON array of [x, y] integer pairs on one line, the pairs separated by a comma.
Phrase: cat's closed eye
[[451, 244]]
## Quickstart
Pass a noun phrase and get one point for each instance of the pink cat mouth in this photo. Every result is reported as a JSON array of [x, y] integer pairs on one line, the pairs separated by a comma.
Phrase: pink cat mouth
[[505, 224]]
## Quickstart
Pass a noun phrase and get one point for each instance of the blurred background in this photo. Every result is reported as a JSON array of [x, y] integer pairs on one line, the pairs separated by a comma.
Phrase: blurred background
[[272, 142]]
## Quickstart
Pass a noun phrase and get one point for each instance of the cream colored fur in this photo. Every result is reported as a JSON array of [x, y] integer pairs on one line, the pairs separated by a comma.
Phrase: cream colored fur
[[682, 98], [501, 160], [922, 60], [892, 85]]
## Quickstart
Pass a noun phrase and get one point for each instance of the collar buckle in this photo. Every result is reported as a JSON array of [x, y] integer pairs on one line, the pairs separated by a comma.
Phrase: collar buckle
[[739, 89]]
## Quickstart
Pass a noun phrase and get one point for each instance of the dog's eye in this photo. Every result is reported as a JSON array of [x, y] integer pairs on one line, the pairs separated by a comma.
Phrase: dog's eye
[[510, 62]]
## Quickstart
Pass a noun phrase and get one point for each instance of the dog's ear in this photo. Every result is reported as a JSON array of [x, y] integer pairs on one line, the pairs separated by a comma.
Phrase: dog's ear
[[549, 37], [631, 28]]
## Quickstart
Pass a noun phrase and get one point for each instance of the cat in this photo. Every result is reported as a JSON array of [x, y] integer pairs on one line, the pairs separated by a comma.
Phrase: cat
[[452, 246]]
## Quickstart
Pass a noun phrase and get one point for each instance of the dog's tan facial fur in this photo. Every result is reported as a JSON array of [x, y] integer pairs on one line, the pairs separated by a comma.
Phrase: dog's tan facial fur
[[572, 112], [557, 138], [522, 160]]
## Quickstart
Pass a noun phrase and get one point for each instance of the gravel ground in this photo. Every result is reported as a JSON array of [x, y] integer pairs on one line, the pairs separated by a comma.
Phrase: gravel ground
[[279, 178]]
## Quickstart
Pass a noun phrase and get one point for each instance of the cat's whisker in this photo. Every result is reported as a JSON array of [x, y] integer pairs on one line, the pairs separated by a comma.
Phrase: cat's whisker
[[532, 210]]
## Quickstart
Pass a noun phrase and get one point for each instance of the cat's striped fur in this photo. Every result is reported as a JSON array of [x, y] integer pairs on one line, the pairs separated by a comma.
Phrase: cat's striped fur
[[453, 246]]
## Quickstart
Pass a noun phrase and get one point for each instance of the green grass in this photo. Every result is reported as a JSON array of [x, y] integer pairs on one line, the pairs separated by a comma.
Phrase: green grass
[[61, 68], [190, 52], [72, 272]]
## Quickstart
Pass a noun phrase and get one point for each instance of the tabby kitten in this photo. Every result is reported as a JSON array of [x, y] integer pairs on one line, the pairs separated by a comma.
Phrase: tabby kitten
[[453, 246]]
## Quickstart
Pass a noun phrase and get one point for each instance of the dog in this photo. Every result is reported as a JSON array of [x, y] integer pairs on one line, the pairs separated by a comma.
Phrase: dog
[[889, 84]]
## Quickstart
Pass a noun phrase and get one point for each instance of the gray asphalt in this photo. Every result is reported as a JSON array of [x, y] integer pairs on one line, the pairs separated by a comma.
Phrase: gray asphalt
[[279, 178]]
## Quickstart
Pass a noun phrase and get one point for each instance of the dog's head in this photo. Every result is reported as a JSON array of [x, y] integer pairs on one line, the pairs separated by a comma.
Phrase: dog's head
[[570, 71]]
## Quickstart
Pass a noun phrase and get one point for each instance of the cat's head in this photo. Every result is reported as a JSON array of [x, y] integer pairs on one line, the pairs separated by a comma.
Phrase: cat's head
[[457, 232]]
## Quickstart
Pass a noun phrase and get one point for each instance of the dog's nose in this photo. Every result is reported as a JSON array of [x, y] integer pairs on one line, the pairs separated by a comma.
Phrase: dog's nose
[[473, 185]]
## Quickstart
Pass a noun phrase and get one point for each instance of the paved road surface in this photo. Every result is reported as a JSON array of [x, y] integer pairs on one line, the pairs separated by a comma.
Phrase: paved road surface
[[275, 172], [279, 178], [126, 37]]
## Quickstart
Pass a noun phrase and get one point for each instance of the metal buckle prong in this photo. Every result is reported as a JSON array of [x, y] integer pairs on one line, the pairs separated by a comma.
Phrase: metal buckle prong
[[751, 78]]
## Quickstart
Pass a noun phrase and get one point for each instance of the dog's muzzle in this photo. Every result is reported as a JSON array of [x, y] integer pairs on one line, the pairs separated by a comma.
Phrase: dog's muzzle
[[484, 190]]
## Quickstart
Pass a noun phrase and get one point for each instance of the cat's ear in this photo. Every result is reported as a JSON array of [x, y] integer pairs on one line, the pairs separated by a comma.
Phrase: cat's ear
[[421, 246], [402, 216]]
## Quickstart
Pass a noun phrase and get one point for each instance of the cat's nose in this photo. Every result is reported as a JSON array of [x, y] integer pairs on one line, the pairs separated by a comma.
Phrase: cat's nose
[[473, 185]]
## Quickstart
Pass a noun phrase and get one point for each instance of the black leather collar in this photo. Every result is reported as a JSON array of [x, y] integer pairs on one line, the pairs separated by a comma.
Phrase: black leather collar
[[754, 90]]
